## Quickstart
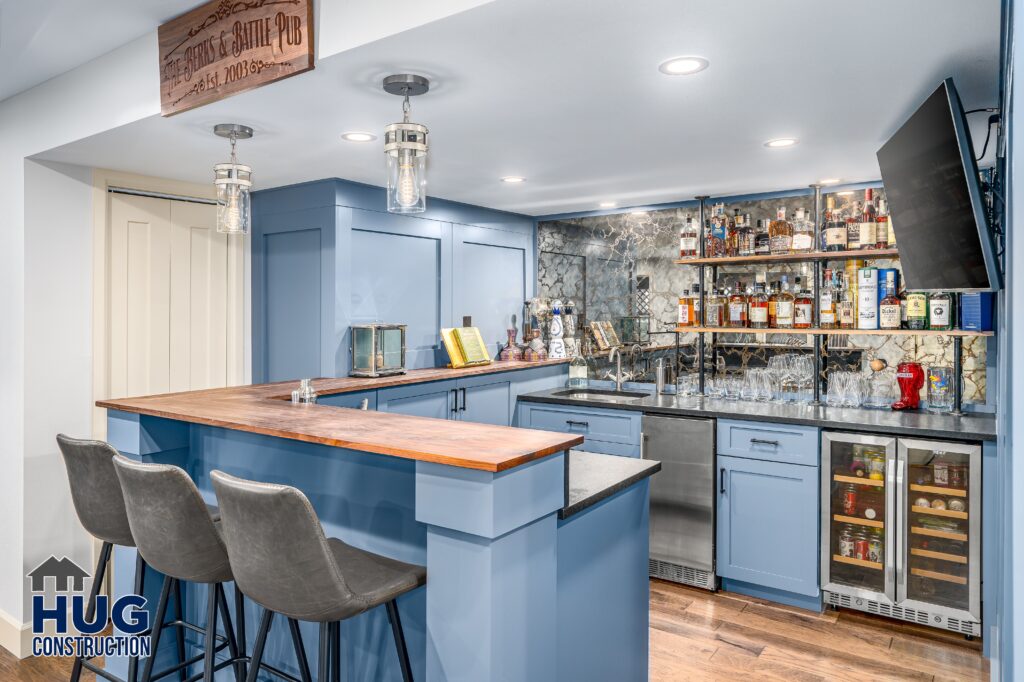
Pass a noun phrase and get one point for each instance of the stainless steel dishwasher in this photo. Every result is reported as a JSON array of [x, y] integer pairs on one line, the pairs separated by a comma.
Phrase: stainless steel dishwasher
[[682, 498]]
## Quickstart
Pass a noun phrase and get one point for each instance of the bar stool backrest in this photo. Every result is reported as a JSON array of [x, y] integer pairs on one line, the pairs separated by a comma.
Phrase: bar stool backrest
[[95, 489], [279, 553], [171, 523]]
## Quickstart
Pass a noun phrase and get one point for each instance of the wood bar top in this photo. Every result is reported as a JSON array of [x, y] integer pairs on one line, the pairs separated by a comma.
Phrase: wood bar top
[[267, 409]]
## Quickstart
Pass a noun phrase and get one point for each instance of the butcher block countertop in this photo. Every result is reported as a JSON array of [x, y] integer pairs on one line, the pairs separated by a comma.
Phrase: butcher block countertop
[[267, 409]]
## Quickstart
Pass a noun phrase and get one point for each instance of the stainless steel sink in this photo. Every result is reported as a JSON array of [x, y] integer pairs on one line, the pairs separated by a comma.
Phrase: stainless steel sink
[[600, 395]]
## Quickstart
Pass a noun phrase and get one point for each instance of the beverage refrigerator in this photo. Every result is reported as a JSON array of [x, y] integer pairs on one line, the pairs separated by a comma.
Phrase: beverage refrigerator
[[901, 528]]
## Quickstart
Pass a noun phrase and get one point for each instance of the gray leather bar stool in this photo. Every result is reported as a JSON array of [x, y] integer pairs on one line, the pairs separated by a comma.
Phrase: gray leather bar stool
[[284, 562], [176, 534], [99, 503]]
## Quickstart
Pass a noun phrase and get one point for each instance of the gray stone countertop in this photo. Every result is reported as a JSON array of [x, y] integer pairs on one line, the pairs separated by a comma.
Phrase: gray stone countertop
[[594, 477], [969, 427]]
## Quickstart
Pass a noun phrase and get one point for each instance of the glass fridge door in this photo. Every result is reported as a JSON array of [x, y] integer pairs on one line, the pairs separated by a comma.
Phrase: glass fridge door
[[941, 502], [859, 502]]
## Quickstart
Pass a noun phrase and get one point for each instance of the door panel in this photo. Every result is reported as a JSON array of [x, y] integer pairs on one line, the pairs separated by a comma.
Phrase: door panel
[[292, 264], [767, 524], [421, 400], [486, 403]]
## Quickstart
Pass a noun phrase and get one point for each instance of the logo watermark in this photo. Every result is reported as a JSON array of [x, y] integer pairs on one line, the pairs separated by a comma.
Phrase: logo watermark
[[63, 626]]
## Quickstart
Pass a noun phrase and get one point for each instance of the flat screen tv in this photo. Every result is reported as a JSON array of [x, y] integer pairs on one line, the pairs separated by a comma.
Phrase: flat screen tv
[[935, 199]]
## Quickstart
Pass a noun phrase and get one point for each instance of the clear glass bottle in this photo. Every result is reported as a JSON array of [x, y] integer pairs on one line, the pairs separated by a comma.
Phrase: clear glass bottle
[[784, 308], [803, 308], [917, 310], [762, 240], [757, 308], [579, 375], [827, 300], [889, 313], [736, 312], [746, 234], [689, 238], [714, 310], [868, 222], [846, 309], [940, 310], [780, 231], [803, 232]]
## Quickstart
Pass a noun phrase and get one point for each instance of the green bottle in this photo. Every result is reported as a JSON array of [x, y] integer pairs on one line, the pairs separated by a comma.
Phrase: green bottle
[[917, 310]]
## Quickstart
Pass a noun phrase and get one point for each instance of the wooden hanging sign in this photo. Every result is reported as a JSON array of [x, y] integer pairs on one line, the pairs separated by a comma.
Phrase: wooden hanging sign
[[225, 47]]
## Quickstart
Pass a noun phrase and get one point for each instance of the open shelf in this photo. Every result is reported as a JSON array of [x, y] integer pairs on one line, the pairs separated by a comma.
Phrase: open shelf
[[858, 480], [938, 490], [941, 556], [945, 535], [934, 575], [792, 257], [857, 562], [836, 332], [839, 518], [939, 512]]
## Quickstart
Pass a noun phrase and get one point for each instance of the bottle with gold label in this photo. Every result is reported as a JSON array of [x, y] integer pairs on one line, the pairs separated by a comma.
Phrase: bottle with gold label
[[917, 310], [780, 233], [827, 300]]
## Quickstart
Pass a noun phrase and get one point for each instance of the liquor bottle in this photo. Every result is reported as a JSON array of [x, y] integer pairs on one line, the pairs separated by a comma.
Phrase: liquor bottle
[[784, 306], [917, 310], [827, 299], [685, 311], [695, 312], [846, 309], [868, 222], [882, 228], [762, 240], [737, 309], [714, 312], [833, 228], [803, 308], [715, 241], [732, 233], [757, 308], [853, 227], [867, 298], [940, 310], [803, 232], [889, 308], [773, 300], [780, 232], [747, 240], [892, 235], [689, 235]]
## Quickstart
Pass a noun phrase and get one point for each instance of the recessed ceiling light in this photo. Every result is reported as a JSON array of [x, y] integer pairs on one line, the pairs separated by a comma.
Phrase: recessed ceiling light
[[513, 179], [607, 204], [682, 66], [358, 136], [845, 193], [780, 142]]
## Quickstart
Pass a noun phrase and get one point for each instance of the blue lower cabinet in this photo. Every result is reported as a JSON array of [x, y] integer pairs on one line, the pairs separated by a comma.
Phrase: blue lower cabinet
[[353, 400], [621, 427], [768, 524], [485, 400], [435, 399]]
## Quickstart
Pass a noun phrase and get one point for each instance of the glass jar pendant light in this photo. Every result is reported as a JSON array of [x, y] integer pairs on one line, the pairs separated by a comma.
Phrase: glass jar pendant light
[[405, 149], [233, 181]]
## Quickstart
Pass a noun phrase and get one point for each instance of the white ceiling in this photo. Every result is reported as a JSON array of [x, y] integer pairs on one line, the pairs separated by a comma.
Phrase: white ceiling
[[568, 94], [40, 39]]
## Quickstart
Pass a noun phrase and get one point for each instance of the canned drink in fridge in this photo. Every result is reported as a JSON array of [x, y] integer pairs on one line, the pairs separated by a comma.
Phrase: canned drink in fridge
[[849, 500], [875, 551], [846, 543], [862, 549]]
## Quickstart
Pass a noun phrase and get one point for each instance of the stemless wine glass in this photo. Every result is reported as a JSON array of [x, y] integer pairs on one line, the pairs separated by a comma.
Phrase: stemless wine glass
[[732, 387], [836, 389], [749, 389]]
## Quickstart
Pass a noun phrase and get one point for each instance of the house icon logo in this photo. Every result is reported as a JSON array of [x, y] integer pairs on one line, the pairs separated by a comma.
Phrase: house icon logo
[[67, 575]]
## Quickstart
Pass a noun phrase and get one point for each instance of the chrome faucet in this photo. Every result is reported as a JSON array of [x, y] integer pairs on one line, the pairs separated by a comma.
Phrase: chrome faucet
[[616, 354]]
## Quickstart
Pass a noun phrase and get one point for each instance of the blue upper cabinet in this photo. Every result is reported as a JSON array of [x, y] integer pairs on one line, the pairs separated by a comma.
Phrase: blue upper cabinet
[[326, 255]]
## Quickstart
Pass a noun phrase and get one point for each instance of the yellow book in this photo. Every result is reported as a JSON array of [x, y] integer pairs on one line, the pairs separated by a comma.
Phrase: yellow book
[[471, 343], [455, 356]]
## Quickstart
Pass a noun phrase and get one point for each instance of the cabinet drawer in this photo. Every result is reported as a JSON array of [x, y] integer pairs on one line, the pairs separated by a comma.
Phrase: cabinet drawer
[[771, 442], [612, 426], [605, 448]]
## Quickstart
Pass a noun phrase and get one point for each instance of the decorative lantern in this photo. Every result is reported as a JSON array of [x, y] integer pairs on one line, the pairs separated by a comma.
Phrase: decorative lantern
[[233, 181], [405, 149]]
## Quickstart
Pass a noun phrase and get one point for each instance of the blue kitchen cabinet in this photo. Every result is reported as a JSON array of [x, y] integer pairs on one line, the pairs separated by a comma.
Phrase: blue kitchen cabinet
[[434, 399], [352, 400], [767, 532], [485, 399], [608, 431]]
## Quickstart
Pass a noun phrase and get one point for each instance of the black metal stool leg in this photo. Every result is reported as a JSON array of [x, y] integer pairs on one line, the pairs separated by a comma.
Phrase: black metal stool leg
[[97, 580], [257, 648], [210, 645], [300, 650], [158, 627], [229, 632], [240, 629], [140, 575], [179, 635], [323, 671], [403, 652], [336, 652]]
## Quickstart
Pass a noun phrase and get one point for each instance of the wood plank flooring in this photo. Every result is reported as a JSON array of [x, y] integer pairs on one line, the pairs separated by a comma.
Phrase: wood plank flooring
[[698, 636]]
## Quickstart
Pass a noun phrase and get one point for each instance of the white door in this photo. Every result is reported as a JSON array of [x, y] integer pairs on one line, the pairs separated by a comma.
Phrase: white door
[[175, 298]]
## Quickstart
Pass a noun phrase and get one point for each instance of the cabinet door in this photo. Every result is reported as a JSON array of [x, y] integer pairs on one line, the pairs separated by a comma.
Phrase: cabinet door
[[768, 524], [436, 399], [485, 402]]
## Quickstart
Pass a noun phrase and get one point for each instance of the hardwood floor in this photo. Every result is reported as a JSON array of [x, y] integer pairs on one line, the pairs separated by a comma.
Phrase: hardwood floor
[[697, 636]]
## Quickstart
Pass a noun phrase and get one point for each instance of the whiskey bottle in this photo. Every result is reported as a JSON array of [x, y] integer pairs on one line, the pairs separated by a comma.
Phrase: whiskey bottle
[[889, 307], [762, 241], [689, 235], [868, 222], [853, 227], [784, 306], [882, 226], [714, 246], [833, 228], [803, 308], [803, 232], [780, 232], [737, 309], [917, 310], [685, 310], [773, 300], [695, 312], [827, 302], [747, 241], [757, 308], [940, 310], [732, 233], [714, 312], [846, 309]]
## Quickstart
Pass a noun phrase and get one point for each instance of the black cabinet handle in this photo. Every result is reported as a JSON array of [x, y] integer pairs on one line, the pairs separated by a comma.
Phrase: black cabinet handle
[[760, 441], [721, 480], [455, 401], [582, 425], [463, 408]]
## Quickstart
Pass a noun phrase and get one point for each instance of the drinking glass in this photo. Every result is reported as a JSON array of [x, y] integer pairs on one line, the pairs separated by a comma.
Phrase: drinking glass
[[837, 382], [940, 389], [687, 385], [749, 389]]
